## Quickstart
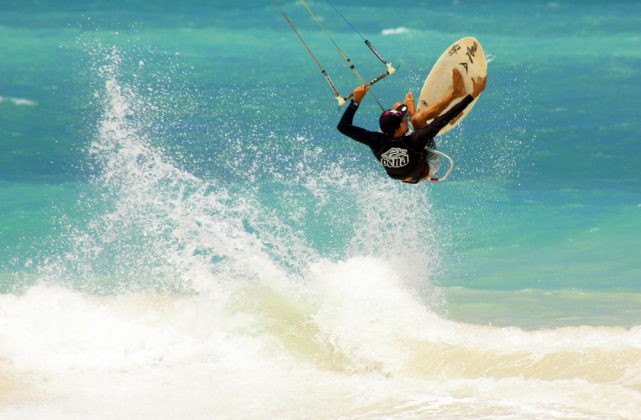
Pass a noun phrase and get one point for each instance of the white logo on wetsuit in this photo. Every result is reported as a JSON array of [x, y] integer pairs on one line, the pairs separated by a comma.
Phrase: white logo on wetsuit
[[395, 158]]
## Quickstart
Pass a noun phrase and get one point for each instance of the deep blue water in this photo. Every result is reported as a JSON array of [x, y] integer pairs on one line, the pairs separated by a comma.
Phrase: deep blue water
[[547, 192]]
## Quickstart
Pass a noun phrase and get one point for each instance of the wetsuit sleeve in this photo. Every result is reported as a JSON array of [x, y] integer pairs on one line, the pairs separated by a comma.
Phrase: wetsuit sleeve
[[426, 134], [346, 127]]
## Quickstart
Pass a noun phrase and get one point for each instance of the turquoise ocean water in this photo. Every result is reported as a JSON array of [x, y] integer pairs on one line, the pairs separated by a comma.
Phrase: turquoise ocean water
[[184, 233]]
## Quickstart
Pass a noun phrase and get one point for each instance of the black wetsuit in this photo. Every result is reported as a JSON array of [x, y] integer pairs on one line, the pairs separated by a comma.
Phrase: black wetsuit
[[405, 157]]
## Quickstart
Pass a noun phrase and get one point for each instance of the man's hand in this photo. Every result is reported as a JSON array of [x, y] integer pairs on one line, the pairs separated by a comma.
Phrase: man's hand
[[359, 93], [478, 86], [458, 84], [409, 101]]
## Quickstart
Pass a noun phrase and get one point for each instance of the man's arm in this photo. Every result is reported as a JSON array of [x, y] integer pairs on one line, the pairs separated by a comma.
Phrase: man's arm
[[346, 126]]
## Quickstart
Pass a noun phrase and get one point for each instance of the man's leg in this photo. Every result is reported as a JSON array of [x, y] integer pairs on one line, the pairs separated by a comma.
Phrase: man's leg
[[420, 118]]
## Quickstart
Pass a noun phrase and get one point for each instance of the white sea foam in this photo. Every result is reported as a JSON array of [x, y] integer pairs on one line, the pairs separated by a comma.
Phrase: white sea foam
[[353, 343], [18, 101], [395, 31]]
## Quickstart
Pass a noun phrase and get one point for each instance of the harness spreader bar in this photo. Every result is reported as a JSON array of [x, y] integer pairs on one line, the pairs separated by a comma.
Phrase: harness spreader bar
[[449, 170]]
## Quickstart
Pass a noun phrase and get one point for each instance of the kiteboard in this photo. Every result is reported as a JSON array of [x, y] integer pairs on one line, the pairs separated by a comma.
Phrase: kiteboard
[[468, 56]]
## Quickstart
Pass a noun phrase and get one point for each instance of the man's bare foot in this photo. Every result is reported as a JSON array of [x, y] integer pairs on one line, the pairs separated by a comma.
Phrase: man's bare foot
[[458, 83], [478, 86]]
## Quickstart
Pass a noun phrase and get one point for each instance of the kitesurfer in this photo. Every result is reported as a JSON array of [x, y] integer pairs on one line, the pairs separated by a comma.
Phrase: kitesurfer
[[403, 155]]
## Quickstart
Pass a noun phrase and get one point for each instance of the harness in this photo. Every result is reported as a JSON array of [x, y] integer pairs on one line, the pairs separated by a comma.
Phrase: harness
[[422, 167]]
